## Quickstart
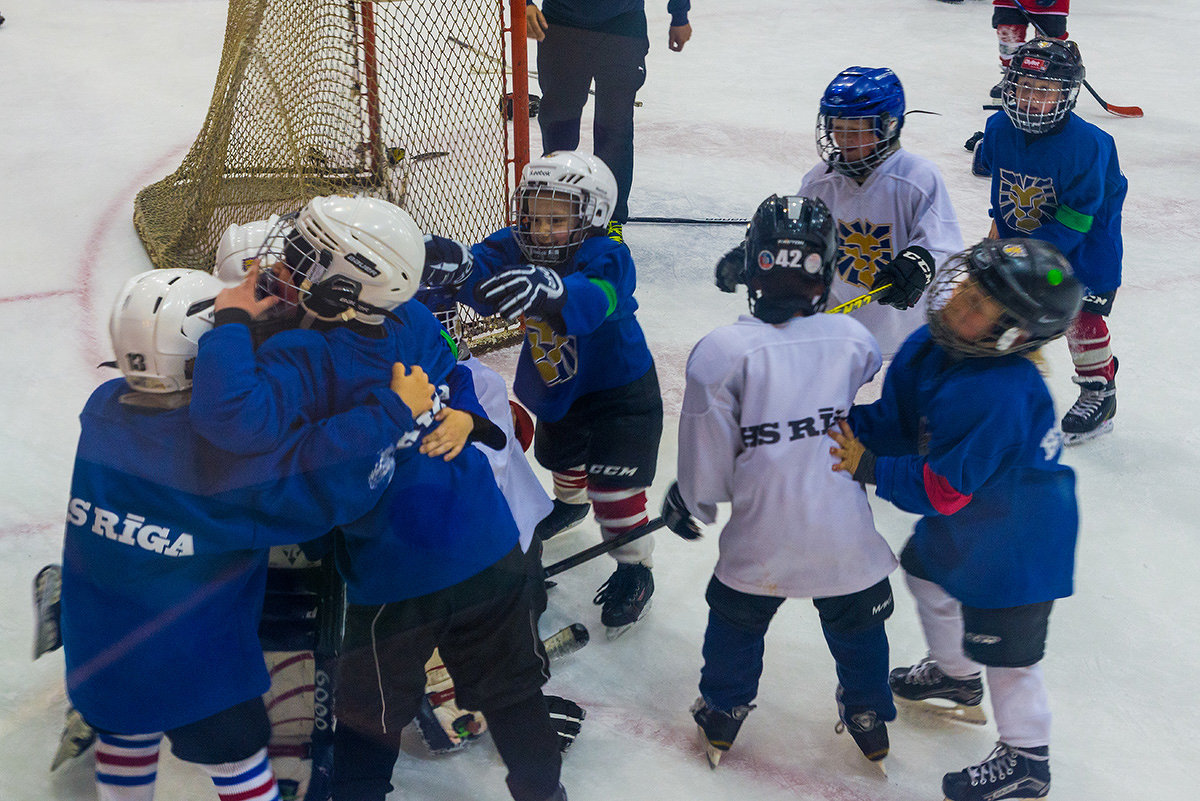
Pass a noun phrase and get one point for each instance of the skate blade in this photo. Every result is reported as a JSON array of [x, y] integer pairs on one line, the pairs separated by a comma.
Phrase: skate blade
[[1077, 439], [614, 632], [711, 752], [975, 715]]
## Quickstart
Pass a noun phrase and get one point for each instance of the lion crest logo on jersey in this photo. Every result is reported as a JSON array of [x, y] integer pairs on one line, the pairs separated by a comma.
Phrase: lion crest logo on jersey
[[1026, 201], [555, 357], [865, 246]]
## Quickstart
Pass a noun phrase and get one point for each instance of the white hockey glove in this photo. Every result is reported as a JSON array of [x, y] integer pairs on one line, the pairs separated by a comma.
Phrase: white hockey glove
[[443, 726], [526, 290], [447, 262]]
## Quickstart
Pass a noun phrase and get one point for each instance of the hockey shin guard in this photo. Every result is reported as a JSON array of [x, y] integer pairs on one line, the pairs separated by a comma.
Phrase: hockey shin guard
[[1091, 347], [620, 509]]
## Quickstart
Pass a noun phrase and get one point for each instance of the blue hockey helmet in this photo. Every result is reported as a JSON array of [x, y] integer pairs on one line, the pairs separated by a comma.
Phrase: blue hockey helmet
[[791, 248], [860, 93]]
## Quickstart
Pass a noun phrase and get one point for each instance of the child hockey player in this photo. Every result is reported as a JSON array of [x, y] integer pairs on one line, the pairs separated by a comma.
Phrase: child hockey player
[[1056, 178], [891, 207], [1011, 20], [165, 551], [750, 434], [965, 435], [436, 562], [584, 369]]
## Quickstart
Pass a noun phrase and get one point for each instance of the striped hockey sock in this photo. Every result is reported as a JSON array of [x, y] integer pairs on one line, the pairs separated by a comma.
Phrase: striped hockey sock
[[617, 510], [249, 779], [1091, 347], [126, 766], [571, 486]]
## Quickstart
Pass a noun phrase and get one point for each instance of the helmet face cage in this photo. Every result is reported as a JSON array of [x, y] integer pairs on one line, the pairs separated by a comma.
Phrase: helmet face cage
[[1041, 85], [865, 99], [1020, 294], [551, 221], [791, 248], [289, 265]]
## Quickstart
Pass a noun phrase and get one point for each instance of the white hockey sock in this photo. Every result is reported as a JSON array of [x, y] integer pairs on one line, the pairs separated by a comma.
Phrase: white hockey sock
[[941, 620], [126, 766], [249, 779], [1021, 705]]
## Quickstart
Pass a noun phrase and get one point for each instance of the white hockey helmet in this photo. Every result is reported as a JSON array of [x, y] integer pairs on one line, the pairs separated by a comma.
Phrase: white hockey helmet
[[239, 247], [156, 325], [349, 256], [581, 180]]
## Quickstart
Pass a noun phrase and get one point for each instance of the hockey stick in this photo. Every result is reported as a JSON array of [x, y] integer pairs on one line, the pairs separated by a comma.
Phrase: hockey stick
[[604, 547], [857, 303], [1117, 111], [688, 220]]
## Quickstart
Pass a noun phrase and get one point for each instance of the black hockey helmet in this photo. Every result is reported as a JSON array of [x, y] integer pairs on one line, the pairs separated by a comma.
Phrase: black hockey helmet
[[791, 248], [1051, 60], [1030, 280]]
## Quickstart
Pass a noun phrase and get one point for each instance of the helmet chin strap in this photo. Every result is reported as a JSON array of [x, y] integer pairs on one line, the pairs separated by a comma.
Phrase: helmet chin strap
[[337, 300]]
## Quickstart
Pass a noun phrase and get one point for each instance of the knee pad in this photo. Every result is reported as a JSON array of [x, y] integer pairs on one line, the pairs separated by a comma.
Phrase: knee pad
[[1013, 637], [858, 610]]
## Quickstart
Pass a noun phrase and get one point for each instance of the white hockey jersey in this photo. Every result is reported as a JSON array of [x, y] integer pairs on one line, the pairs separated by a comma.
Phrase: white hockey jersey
[[903, 202], [527, 500], [758, 401]]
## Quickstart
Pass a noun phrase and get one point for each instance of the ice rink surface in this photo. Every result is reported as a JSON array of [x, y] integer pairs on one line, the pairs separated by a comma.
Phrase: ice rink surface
[[101, 97]]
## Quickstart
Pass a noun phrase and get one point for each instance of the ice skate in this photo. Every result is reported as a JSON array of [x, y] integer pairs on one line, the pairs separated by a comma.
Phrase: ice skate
[[869, 732], [1092, 413], [625, 598], [717, 729], [925, 685], [1008, 774], [563, 517]]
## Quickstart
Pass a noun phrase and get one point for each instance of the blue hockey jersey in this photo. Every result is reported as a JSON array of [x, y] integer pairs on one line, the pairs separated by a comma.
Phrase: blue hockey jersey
[[973, 446], [439, 522], [165, 551], [603, 346], [1065, 188]]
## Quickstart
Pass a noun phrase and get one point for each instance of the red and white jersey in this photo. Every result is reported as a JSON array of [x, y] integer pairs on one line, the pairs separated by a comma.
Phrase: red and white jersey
[[1059, 7], [903, 202], [758, 401]]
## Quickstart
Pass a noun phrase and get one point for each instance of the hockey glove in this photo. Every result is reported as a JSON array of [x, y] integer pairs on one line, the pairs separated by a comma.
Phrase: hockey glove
[[526, 290], [447, 263], [676, 516], [731, 269], [909, 273], [567, 718]]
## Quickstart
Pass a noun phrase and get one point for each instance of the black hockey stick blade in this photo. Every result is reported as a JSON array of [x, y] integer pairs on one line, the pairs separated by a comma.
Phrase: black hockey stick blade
[[688, 220], [604, 547]]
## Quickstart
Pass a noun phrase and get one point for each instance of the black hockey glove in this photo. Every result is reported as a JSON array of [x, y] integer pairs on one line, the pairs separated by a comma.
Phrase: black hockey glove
[[567, 717], [524, 290], [447, 262], [676, 516], [731, 269], [909, 273]]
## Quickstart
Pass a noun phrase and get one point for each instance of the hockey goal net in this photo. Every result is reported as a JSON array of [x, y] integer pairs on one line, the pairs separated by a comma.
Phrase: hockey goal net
[[398, 99]]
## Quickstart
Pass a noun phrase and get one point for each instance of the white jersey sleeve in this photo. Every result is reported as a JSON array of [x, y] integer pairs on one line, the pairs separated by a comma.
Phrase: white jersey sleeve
[[758, 401], [527, 500], [903, 202]]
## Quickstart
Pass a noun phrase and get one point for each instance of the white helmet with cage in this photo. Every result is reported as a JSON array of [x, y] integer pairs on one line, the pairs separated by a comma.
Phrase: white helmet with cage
[[156, 325], [240, 246], [348, 257], [563, 196]]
